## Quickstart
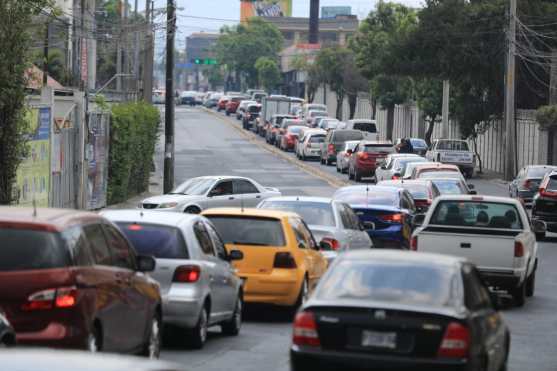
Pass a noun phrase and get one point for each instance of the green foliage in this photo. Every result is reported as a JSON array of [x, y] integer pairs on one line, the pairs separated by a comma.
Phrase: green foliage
[[133, 135], [429, 97], [546, 116], [268, 73], [55, 61], [238, 48], [15, 39], [215, 76]]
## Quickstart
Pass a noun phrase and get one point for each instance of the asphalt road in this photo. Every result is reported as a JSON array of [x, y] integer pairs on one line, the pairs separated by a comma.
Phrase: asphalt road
[[211, 143]]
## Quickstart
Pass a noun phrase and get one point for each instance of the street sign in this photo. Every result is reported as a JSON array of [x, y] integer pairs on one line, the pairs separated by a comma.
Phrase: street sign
[[204, 61], [184, 65]]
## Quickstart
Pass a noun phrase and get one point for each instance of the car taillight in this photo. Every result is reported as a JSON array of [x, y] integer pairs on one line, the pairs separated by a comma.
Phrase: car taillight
[[363, 155], [335, 245], [63, 297], [395, 177], [305, 330], [518, 249], [456, 342], [284, 260], [414, 243], [187, 274], [544, 192], [331, 148], [392, 218]]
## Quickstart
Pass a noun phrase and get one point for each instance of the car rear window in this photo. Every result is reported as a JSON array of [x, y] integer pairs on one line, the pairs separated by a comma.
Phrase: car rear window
[[24, 249], [418, 143], [552, 183], [313, 213], [418, 191], [249, 230], [368, 127], [477, 214], [447, 187], [345, 135], [160, 241], [431, 174], [378, 148], [452, 145], [538, 172], [392, 282], [254, 109], [371, 197], [317, 139]]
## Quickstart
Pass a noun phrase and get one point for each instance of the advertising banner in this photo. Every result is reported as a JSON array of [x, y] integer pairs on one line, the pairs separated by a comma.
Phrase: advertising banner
[[265, 8], [33, 174]]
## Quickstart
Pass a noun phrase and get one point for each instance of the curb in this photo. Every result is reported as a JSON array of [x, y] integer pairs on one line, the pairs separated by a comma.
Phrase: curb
[[331, 180]]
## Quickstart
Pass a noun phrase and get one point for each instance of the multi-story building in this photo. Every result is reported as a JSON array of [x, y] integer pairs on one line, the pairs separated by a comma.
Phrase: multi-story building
[[199, 56]]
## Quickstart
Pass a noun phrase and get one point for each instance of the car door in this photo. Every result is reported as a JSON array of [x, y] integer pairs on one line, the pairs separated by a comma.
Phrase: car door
[[136, 303], [359, 237], [211, 264], [226, 272], [315, 262], [222, 195], [409, 209], [246, 193], [488, 329]]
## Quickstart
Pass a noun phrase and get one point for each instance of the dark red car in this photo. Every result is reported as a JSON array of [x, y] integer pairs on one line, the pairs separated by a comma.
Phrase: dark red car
[[221, 104], [232, 105], [290, 137], [363, 161], [70, 279]]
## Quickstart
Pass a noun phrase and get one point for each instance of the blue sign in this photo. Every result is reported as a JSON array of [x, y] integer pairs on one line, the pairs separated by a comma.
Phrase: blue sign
[[44, 124], [184, 65]]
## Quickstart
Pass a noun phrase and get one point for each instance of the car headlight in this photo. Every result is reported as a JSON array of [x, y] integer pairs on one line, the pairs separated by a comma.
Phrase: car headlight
[[168, 205]]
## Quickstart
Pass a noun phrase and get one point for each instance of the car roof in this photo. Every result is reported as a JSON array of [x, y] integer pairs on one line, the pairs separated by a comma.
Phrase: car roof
[[236, 211], [395, 183], [324, 200], [362, 121], [436, 165], [150, 217], [371, 188], [385, 142], [48, 218], [404, 256], [220, 177], [481, 198]]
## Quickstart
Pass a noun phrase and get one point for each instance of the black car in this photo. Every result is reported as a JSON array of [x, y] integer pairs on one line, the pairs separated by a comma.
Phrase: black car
[[250, 117], [7, 334], [526, 184], [544, 205], [378, 309]]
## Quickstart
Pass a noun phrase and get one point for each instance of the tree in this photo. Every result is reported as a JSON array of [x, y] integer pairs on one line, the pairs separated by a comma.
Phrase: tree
[[354, 82], [15, 39], [429, 97], [313, 79], [239, 47], [55, 62], [215, 76], [268, 73]]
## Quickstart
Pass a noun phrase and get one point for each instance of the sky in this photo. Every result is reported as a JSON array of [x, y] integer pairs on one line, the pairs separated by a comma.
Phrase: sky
[[230, 10]]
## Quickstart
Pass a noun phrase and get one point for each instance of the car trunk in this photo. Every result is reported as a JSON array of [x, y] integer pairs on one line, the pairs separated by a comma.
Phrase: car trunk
[[257, 259], [376, 216], [380, 331]]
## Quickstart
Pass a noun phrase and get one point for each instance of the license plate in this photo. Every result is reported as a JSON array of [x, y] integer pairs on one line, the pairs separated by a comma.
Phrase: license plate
[[379, 339]]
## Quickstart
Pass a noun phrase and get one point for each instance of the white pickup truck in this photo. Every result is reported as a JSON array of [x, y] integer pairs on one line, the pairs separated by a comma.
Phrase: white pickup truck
[[492, 232], [453, 151]]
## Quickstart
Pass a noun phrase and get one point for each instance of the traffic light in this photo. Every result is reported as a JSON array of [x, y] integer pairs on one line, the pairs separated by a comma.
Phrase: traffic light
[[206, 61]]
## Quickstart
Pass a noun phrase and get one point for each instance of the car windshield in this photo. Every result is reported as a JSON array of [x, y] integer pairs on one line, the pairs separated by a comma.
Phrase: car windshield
[[392, 282], [313, 213], [431, 174], [350, 145], [345, 135], [538, 172], [448, 187], [195, 187], [452, 145], [160, 241], [418, 143], [477, 214], [249, 230], [362, 197], [25, 249]]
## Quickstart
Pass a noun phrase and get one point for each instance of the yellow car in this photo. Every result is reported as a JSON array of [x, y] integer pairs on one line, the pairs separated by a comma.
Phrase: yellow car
[[282, 263]]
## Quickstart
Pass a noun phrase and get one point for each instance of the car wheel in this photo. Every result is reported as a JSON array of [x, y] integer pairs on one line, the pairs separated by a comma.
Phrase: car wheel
[[303, 295], [350, 175], [531, 285], [227, 113], [94, 340], [232, 327], [329, 162], [322, 161], [192, 210], [519, 294], [357, 175], [338, 169], [303, 157], [198, 335], [152, 348]]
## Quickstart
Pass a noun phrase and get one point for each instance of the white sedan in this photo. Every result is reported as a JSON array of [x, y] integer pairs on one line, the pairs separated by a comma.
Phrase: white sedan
[[198, 194]]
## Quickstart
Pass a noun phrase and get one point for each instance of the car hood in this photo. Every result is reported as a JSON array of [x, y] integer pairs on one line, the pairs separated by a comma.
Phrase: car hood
[[170, 198]]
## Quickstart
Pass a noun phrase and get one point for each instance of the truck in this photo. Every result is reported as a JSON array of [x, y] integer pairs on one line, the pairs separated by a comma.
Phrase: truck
[[277, 105], [494, 233], [455, 152]]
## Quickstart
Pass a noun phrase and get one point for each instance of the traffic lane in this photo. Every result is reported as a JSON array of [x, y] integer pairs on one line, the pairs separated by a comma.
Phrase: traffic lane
[[204, 145]]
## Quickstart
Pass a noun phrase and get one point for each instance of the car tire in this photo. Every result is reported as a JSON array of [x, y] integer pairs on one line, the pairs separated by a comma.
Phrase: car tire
[[303, 157], [338, 169], [357, 176], [303, 295], [531, 285], [227, 113], [198, 335], [328, 162], [350, 175], [322, 161], [94, 340], [192, 210], [519, 294], [152, 347], [233, 326]]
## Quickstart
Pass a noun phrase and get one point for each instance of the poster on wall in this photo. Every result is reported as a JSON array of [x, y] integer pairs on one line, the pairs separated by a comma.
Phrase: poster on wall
[[265, 8], [33, 174]]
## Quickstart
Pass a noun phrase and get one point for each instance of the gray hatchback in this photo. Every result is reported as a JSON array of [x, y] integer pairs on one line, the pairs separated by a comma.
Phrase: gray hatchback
[[199, 286]]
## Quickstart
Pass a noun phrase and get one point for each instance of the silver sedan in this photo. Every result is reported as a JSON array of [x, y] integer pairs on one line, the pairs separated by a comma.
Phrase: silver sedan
[[199, 286], [198, 194], [333, 224]]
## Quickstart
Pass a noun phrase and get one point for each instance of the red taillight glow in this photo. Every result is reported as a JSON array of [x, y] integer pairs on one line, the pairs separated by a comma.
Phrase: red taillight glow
[[392, 218], [335, 245], [284, 260], [518, 249], [305, 330], [456, 342], [331, 148], [135, 227], [187, 274], [363, 155], [64, 297], [414, 243], [394, 177]]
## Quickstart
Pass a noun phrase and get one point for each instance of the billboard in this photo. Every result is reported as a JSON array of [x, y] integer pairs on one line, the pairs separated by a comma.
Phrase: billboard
[[328, 12], [265, 8]]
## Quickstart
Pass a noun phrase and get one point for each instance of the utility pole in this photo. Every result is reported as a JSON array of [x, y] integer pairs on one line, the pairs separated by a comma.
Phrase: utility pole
[[314, 22], [445, 109], [169, 104], [510, 128], [45, 54], [148, 63], [119, 50], [136, 48]]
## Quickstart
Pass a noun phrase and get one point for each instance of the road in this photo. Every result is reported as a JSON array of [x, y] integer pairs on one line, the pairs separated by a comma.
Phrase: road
[[210, 144]]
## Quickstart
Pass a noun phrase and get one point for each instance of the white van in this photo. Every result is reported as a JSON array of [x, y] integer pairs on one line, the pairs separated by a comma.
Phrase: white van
[[368, 127]]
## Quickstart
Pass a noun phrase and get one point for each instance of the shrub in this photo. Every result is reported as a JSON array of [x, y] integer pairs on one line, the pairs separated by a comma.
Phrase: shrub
[[546, 116], [133, 135]]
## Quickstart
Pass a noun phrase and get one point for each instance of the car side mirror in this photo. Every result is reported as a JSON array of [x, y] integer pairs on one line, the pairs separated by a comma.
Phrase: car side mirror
[[302, 245], [325, 245], [418, 220], [146, 263], [235, 255], [539, 228]]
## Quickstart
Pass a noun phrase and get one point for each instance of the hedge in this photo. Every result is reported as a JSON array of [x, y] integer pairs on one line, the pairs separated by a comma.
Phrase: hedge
[[133, 135]]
